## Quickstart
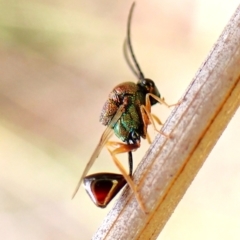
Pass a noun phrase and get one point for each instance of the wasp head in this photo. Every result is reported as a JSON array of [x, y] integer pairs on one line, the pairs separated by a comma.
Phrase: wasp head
[[148, 86]]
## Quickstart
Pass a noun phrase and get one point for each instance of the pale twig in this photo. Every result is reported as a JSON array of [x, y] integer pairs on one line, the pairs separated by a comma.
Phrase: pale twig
[[170, 165]]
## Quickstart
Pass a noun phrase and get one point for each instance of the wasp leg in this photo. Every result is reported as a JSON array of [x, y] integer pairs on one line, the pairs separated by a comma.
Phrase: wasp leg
[[156, 119], [147, 110], [148, 138], [160, 100], [122, 148], [147, 114], [158, 122]]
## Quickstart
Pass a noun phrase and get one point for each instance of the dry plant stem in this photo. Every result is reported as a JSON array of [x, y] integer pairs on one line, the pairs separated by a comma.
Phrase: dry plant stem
[[170, 165]]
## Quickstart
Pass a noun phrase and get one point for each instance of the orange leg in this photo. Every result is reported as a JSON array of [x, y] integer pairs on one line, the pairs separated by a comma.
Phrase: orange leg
[[157, 119], [122, 148], [160, 100], [148, 138], [146, 110]]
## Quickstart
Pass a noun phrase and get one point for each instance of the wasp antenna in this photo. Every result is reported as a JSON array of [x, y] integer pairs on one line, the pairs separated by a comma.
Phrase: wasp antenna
[[140, 76], [126, 57]]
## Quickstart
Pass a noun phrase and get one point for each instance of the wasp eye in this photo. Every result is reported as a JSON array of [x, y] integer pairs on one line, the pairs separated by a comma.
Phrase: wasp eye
[[148, 86]]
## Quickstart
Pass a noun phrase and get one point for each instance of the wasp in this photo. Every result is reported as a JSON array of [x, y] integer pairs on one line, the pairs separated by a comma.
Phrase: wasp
[[127, 114]]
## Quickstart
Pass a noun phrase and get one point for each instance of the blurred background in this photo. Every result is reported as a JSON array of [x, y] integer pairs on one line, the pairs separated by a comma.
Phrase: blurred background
[[58, 62]]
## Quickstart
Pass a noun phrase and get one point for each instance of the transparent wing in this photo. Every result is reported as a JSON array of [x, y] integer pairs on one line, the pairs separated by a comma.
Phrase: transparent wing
[[104, 138]]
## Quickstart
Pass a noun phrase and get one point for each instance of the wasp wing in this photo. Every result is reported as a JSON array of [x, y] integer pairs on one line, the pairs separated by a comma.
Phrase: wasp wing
[[104, 139]]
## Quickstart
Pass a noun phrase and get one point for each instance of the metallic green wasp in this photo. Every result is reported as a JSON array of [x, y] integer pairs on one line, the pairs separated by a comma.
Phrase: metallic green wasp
[[127, 114]]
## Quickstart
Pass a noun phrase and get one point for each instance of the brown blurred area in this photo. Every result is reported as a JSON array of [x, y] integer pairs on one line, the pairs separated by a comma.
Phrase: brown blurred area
[[58, 62]]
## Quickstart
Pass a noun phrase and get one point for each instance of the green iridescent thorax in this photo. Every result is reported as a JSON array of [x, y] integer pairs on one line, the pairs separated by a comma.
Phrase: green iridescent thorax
[[129, 95], [131, 119]]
